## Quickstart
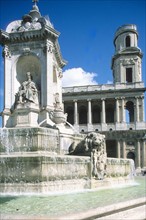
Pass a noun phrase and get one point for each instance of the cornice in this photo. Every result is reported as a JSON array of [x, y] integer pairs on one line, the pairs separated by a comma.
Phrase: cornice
[[34, 35], [4, 37], [122, 53], [122, 91], [127, 135]]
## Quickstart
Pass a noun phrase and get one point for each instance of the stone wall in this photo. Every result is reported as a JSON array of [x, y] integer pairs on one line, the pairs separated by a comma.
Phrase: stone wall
[[36, 173], [120, 167]]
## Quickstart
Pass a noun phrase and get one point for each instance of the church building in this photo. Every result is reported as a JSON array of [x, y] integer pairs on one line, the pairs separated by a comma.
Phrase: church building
[[116, 110]]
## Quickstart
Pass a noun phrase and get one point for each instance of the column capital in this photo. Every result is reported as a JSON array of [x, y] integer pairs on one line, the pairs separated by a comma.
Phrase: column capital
[[75, 100]]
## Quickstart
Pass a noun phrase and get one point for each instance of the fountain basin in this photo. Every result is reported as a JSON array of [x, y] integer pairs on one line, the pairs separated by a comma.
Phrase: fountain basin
[[43, 173]]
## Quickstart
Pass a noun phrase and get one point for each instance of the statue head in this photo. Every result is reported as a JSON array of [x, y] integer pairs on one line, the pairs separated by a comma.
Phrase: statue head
[[97, 139], [29, 76]]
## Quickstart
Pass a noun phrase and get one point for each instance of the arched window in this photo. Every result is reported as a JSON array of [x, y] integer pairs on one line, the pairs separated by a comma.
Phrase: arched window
[[83, 115], [128, 43], [131, 155], [129, 75], [129, 112], [70, 114], [96, 115]]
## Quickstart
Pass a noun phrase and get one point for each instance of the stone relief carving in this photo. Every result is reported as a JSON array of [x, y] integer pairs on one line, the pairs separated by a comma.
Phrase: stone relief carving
[[28, 23], [93, 145], [60, 74], [27, 91], [128, 62], [6, 52], [57, 103]]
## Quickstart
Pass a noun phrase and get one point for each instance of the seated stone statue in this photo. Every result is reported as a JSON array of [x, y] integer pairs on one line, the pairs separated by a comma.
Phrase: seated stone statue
[[27, 91]]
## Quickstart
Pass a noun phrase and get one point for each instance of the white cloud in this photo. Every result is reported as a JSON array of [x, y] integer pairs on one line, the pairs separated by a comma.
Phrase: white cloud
[[109, 82], [78, 77]]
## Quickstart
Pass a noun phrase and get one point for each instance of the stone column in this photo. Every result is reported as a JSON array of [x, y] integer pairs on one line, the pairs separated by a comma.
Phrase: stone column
[[75, 112], [124, 149], [123, 109], [117, 110], [137, 110], [138, 155], [89, 112], [118, 149], [103, 110]]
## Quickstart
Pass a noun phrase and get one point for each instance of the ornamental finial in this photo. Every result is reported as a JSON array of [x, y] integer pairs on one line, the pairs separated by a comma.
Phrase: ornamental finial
[[35, 1]]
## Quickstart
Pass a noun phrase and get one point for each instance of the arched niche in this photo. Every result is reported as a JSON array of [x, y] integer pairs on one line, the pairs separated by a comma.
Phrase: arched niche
[[131, 155], [29, 63]]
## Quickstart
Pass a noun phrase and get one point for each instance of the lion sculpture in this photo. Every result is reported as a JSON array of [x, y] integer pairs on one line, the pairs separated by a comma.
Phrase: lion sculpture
[[92, 145]]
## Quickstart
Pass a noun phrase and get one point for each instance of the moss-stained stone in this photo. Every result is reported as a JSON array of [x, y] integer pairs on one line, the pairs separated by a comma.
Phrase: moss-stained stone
[[29, 140]]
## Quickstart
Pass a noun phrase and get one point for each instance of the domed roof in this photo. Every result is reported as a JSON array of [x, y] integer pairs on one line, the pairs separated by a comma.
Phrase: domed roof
[[31, 21], [126, 28]]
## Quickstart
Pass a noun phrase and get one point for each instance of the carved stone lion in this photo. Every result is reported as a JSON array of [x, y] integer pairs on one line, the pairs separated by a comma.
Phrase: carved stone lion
[[92, 141], [93, 145]]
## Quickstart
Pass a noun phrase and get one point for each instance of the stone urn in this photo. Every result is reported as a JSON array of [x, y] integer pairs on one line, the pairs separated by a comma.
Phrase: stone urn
[[57, 116]]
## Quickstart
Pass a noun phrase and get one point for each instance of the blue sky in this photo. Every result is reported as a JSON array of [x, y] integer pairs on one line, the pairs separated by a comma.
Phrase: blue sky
[[87, 30]]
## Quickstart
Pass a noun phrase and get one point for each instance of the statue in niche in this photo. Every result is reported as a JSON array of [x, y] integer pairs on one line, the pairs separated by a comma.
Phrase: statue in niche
[[93, 145], [27, 91]]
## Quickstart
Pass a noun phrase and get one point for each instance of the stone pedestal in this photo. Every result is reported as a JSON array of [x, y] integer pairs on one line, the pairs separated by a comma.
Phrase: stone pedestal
[[26, 115]]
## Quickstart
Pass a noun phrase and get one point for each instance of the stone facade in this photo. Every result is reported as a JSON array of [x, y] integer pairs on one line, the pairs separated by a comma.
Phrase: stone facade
[[116, 110], [33, 71]]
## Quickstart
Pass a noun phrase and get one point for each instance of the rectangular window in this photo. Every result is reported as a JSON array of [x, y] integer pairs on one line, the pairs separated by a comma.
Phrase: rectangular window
[[128, 75]]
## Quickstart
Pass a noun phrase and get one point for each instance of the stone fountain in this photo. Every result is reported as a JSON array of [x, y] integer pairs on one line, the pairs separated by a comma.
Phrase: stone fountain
[[40, 151]]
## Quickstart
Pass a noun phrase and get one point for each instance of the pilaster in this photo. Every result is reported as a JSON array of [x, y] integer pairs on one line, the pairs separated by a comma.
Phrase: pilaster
[[8, 78], [138, 156]]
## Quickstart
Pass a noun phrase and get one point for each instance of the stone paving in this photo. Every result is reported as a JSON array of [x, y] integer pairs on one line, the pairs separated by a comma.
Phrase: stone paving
[[138, 213]]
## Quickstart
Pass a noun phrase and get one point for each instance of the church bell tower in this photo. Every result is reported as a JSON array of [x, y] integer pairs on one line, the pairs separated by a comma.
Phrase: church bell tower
[[126, 62]]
